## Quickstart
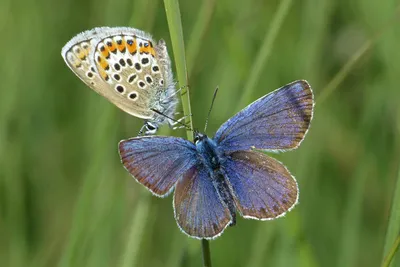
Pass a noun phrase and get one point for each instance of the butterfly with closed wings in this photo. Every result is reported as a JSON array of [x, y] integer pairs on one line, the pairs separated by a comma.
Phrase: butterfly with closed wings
[[215, 178], [128, 68]]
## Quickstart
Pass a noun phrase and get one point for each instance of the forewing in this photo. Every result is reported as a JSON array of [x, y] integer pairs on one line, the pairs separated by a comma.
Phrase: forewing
[[262, 187], [277, 121], [199, 211], [157, 162]]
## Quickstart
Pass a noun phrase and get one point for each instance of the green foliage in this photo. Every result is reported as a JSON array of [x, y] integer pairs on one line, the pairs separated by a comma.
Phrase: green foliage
[[65, 199]]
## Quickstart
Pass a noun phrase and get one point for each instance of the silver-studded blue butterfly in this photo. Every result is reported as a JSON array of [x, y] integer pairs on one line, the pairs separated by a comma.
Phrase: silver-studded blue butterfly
[[129, 68], [215, 178]]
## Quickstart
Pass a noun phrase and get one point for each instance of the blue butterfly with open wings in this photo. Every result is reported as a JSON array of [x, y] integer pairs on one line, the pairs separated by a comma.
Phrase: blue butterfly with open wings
[[215, 178]]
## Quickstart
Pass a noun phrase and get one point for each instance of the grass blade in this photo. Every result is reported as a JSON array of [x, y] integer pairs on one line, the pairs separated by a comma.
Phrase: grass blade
[[199, 29], [394, 226], [178, 46], [392, 252], [265, 51], [206, 253], [137, 230], [346, 69], [176, 32], [353, 215]]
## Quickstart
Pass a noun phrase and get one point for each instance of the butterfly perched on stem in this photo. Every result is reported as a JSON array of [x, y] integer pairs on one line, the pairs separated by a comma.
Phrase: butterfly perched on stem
[[215, 178], [127, 67]]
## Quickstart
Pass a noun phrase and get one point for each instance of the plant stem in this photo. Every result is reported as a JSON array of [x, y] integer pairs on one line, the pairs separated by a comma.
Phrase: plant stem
[[198, 32], [206, 253], [355, 58], [344, 71], [178, 46], [392, 235], [392, 252], [265, 51]]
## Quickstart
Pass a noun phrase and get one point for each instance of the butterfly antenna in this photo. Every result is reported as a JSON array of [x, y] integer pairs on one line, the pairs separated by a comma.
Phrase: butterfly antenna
[[212, 104], [172, 119]]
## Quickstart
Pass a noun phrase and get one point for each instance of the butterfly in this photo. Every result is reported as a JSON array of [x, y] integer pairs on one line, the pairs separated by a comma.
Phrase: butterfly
[[215, 178], [128, 68]]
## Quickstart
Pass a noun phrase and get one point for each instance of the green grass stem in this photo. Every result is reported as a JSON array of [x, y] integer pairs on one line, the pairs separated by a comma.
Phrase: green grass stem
[[265, 51], [391, 253], [393, 230], [175, 28]]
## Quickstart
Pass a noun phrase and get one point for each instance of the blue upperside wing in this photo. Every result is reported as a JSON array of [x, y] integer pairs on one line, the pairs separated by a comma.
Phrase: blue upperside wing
[[276, 122], [157, 162], [199, 211], [262, 187]]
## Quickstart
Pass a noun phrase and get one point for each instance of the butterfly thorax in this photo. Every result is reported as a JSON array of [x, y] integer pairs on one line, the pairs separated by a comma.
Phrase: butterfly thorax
[[208, 152], [212, 158], [164, 101]]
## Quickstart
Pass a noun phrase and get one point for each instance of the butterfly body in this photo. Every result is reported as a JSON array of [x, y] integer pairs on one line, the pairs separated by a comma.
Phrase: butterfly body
[[128, 68], [216, 178], [212, 159], [208, 152]]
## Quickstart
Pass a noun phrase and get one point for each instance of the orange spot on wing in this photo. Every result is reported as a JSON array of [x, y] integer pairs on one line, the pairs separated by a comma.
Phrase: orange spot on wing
[[152, 52], [147, 49], [82, 55], [132, 47], [102, 62], [121, 47], [104, 52], [112, 47]]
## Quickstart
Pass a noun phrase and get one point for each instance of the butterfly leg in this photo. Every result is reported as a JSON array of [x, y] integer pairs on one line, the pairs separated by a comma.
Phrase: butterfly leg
[[142, 130], [173, 123], [178, 127], [179, 120], [174, 93]]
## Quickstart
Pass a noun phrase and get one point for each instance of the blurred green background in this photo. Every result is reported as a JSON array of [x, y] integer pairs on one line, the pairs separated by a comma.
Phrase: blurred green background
[[65, 199]]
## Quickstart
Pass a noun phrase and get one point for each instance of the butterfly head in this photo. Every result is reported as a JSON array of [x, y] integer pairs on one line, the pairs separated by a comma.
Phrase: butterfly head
[[198, 137]]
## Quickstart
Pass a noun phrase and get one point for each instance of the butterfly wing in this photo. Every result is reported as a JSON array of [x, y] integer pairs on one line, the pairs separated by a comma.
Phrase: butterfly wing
[[199, 211], [123, 65], [262, 187], [157, 162], [275, 122]]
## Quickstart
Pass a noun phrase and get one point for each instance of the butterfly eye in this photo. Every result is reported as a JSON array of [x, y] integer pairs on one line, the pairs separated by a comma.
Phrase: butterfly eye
[[198, 137]]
